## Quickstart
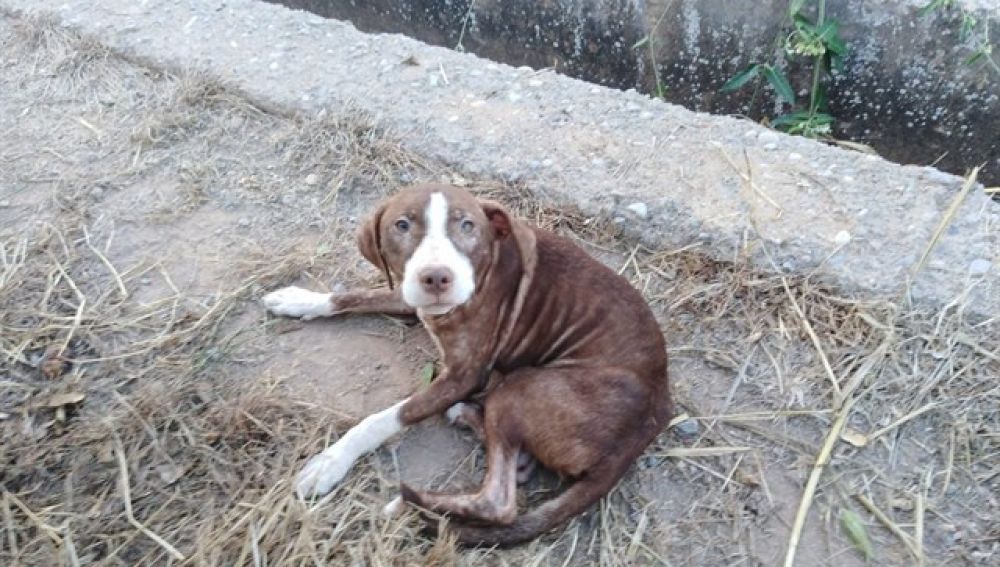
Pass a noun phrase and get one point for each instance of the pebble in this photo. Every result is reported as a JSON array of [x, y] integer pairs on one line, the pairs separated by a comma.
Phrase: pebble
[[640, 209], [770, 146], [686, 429], [842, 238], [96, 193], [312, 179], [244, 222], [5, 203], [768, 137], [979, 266]]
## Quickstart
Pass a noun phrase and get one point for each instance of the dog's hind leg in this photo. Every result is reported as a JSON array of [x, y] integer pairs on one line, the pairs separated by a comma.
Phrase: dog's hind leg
[[496, 500], [470, 415], [467, 414]]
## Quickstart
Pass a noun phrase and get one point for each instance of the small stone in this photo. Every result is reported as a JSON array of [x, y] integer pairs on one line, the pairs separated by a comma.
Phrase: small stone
[[145, 281], [244, 222], [273, 66], [96, 193], [640, 209], [288, 199], [794, 156], [842, 238], [770, 146], [513, 96], [979, 266], [4, 203], [768, 137], [312, 179], [687, 429]]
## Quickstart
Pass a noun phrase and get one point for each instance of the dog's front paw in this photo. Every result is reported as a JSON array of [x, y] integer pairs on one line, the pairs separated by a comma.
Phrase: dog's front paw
[[322, 473], [297, 302]]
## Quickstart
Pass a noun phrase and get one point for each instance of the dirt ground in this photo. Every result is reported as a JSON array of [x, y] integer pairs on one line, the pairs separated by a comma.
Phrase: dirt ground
[[152, 413]]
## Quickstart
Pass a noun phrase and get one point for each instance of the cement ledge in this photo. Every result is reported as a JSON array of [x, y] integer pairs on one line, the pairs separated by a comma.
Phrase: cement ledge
[[671, 177]]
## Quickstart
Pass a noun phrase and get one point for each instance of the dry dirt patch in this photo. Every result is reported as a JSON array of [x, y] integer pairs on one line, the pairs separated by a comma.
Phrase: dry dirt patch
[[150, 410]]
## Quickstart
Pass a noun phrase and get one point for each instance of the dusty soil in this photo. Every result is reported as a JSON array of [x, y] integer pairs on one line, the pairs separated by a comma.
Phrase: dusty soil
[[151, 411]]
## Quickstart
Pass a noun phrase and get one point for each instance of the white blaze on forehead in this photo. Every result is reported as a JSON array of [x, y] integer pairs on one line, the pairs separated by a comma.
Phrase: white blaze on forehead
[[436, 249]]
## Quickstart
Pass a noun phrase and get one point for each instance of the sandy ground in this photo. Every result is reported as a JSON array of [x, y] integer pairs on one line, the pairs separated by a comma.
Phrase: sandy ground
[[152, 413]]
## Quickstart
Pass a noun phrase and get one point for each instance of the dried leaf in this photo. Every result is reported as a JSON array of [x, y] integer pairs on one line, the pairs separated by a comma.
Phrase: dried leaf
[[64, 399], [428, 373], [169, 473], [853, 437], [52, 363], [856, 532]]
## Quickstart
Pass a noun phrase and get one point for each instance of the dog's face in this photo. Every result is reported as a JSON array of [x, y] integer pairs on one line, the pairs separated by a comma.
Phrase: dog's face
[[437, 241]]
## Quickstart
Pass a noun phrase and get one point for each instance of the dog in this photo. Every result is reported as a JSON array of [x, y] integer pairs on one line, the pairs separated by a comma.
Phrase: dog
[[565, 354]]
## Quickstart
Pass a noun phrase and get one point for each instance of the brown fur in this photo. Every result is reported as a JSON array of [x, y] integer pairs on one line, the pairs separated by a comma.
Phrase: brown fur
[[583, 368]]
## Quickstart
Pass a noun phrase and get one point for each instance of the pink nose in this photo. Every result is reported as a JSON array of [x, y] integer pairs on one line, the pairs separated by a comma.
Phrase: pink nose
[[436, 279]]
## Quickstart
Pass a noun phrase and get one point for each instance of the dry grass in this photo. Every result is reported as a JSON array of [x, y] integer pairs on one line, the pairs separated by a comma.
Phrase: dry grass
[[132, 435]]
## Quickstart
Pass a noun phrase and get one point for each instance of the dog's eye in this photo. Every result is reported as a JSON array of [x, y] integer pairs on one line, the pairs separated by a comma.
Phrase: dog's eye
[[467, 226], [403, 225]]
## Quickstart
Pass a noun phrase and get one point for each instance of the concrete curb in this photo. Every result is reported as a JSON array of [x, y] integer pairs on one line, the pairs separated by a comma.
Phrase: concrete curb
[[671, 177]]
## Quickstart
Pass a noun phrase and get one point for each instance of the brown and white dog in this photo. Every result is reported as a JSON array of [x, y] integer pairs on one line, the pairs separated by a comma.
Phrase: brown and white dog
[[565, 355]]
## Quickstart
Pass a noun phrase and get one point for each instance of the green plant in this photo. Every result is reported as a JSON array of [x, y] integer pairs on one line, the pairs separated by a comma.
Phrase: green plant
[[970, 31], [818, 40], [649, 41]]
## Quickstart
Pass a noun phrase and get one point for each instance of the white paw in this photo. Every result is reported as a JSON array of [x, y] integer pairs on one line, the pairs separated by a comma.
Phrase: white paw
[[455, 412], [297, 302], [394, 508], [322, 473]]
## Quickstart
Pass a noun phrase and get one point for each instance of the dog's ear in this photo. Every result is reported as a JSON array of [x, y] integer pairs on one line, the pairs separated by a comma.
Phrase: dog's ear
[[506, 226], [370, 243]]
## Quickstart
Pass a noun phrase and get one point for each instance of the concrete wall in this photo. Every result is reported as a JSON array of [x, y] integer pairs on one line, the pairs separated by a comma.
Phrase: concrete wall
[[905, 89]]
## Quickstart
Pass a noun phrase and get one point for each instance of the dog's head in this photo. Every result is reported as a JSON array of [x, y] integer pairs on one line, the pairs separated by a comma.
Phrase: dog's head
[[439, 241]]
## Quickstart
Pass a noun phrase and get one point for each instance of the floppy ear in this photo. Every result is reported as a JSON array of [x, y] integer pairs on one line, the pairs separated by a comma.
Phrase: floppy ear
[[370, 243], [506, 226]]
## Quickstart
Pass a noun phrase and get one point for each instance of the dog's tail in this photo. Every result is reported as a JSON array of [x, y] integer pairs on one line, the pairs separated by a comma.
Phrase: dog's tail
[[574, 500]]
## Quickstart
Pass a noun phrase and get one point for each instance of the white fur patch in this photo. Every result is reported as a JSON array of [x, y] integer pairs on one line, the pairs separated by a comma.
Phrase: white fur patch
[[455, 412], [394, 508], [297, 302], [328, 468], [436, 249]]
